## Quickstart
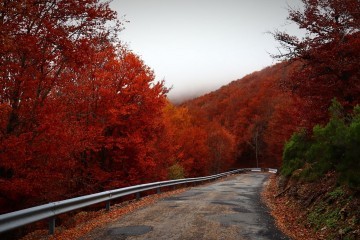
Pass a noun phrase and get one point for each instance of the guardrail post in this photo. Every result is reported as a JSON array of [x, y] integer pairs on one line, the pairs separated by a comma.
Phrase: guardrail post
[[108, 205], [52, 225], [158, 191], [138, 196]]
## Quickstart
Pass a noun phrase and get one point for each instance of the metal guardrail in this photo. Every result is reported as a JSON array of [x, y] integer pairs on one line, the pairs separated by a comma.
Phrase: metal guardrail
[[49, 211], [270, 170]]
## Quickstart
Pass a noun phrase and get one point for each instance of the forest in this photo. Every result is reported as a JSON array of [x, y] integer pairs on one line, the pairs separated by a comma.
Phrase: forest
[[81, 113]]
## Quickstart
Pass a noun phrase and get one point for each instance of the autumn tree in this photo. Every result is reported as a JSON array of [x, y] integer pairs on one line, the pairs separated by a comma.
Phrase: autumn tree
[[134, 104], [286, 118], [187, 139], [221, 145], [41, 41], [79, 112], [329, 51]]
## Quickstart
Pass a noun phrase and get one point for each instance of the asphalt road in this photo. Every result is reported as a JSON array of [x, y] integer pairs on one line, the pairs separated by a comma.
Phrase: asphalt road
[[228, 209]]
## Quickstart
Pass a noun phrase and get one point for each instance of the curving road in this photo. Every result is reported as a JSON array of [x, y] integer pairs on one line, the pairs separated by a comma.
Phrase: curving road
[[228, 209]]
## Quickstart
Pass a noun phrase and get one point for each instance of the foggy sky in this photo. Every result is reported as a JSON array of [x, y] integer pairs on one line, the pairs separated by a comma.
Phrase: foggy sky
[[199, 45]]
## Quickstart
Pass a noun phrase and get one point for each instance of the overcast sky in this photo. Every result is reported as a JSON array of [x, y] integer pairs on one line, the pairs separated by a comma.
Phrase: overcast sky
[[196, 46]]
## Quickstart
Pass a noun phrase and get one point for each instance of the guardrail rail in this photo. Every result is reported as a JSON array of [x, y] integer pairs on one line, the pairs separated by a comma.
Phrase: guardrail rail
[[49, 211]]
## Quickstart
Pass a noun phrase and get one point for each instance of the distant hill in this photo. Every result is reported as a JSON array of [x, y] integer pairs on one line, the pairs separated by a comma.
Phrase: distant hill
[[258, 110]]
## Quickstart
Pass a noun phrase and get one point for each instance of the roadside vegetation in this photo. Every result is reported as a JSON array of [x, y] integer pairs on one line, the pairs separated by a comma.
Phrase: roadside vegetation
[[333, 147], [318, 190], [320, 177]]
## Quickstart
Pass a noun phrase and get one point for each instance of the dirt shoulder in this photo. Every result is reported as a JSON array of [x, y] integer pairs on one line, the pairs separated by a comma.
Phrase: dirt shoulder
[[318, 210]]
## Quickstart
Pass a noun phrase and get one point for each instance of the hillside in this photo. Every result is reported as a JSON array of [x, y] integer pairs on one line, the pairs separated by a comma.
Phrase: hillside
[[314, 144], [258, 111], [265, 108]]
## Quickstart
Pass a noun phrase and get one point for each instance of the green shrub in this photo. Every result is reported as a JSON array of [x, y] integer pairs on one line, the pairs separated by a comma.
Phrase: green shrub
[[334, 146], [291, 166], [310, 174], [293, 155], [349, 167]]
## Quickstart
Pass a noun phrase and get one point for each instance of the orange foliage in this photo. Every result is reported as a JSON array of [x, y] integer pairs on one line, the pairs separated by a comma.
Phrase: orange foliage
[[199, 147]]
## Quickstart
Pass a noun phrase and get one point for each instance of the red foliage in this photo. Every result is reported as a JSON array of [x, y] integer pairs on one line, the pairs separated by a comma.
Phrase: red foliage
[[257, 112], [329, 53], [79, 113], [263, 109]]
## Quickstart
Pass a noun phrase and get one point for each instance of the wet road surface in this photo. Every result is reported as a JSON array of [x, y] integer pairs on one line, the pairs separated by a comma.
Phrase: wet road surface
[[228, 209]]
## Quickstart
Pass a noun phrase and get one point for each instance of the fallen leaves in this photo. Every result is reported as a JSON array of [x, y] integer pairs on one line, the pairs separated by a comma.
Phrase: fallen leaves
[[287, 214]]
